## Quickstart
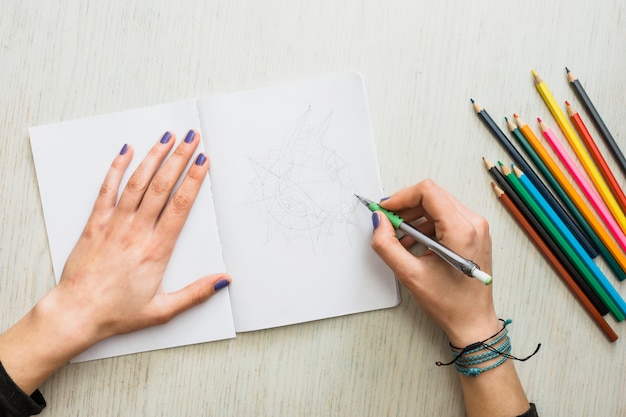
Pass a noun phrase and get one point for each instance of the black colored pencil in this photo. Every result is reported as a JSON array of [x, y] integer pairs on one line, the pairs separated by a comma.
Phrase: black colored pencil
[[545, 236], [597, 120], [534, 178]]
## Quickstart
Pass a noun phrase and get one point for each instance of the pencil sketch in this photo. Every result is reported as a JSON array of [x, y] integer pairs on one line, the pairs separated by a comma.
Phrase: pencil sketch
[[304, 189]]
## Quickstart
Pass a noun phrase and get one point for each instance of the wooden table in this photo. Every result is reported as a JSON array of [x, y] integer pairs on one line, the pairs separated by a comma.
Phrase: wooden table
[[422, 62]]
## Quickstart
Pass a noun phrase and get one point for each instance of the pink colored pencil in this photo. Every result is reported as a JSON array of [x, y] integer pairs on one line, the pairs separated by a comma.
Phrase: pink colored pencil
[[584, 185]]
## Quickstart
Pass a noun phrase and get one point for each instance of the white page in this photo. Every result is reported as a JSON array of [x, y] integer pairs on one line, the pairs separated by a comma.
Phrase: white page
[[286, 162], [71, 160]]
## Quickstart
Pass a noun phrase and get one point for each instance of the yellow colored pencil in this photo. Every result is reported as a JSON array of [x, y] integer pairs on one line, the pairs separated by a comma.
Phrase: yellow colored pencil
[[581, 151], [574, 195]]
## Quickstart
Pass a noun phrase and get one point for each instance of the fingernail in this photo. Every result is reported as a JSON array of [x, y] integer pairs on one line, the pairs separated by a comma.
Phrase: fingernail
[[166, 137], [201, 159], [375, 220], [222, 283], [384, 199], [124, 149], [190, 135]]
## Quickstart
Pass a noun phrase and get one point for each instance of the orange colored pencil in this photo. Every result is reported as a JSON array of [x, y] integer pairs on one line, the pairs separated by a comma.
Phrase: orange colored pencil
[[580, 203], [545, 251], [582, 130]]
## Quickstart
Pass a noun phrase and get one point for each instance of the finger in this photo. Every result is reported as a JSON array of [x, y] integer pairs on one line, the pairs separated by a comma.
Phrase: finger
[[107, 196], [390, 249], [449, 217], [138, 182], [177, 209], [425, 198], [174, 303], [165, 179]]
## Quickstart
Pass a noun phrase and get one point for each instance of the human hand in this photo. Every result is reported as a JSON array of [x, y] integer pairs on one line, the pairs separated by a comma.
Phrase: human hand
[[111, 283], [112, 278], [462, 306]]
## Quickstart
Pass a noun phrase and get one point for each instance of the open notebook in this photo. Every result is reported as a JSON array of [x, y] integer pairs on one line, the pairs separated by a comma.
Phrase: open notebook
[[277, 212]]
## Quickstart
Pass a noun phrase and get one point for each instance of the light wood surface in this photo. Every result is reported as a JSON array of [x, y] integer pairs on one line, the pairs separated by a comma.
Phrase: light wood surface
[[422, 62]]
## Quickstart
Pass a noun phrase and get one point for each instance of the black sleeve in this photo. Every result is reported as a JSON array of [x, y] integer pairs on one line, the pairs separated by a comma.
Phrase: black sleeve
[[532, 412], [16, 403]]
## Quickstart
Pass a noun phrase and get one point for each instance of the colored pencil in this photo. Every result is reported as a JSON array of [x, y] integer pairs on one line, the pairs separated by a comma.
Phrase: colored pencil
[[584, 134], [519, 160], [554, 261], [580, 151], [544, 235], [597, 120], [615, 251], [584, 185], [602, 287]]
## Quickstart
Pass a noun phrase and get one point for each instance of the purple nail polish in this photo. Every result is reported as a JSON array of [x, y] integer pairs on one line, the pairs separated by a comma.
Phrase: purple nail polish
[[222, 283], [375, 220], [166, 137], [190, 135], [124, 149], [384, 199], [201, 159]]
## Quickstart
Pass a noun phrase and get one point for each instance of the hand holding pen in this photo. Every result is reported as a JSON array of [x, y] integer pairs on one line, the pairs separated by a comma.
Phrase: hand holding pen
[[463, 307]]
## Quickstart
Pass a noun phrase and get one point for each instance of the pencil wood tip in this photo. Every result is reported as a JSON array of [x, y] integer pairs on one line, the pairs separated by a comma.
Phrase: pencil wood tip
[[538, 79], [497, 190], [518, 172], [487, 163], [510, 124]]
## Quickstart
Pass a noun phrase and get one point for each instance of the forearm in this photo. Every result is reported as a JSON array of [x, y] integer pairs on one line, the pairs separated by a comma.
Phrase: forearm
[[497, 392]]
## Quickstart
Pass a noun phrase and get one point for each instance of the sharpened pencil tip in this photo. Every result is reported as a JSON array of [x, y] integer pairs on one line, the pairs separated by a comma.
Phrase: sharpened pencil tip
[[567, 70], [567, 103], [472, 100], [539, 119], [515, 115]]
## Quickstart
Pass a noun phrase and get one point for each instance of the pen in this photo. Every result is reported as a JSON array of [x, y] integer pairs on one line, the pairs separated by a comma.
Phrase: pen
[[466, 266]]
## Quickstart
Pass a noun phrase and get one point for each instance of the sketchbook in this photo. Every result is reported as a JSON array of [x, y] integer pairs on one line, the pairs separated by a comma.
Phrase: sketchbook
[[277, 211]]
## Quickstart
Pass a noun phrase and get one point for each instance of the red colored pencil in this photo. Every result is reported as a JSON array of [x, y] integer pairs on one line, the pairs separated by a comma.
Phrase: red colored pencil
[[547, 253], [596, 155]]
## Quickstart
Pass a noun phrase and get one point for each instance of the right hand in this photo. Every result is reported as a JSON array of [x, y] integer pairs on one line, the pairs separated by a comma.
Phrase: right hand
[[461, 305]]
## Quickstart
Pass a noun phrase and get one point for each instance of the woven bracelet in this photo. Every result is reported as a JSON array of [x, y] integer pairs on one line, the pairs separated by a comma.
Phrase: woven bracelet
[[499, 345]]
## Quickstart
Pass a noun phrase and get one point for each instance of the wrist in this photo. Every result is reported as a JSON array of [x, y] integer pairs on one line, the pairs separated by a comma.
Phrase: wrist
[[474, 331], [66, 323]]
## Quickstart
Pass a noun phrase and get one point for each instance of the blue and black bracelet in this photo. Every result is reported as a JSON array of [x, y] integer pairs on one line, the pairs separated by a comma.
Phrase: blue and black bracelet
[[466, 359]]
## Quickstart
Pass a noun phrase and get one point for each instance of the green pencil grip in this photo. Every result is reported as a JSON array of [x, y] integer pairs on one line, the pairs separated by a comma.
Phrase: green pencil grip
[[393, 217]]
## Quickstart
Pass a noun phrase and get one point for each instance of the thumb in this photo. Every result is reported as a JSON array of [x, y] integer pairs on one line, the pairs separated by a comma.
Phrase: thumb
[[388, 247], [193, 294]]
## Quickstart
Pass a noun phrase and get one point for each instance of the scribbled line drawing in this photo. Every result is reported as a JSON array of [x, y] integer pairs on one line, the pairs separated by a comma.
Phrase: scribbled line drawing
[[304, 189]]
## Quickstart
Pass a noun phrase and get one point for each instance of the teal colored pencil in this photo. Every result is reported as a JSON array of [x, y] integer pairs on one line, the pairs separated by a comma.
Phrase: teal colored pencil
[[585, 258], [567, 201], [560, 240]]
